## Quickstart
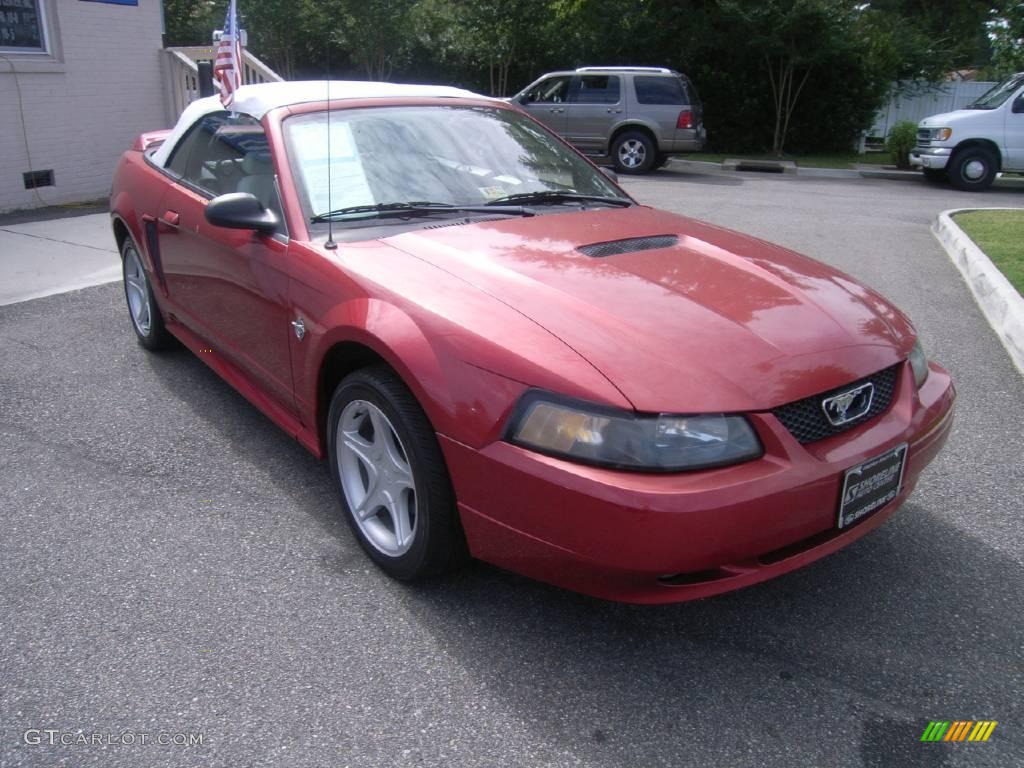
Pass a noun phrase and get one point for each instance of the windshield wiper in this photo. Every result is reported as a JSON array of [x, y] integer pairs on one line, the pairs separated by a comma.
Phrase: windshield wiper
[[414, 208], [556, 196]]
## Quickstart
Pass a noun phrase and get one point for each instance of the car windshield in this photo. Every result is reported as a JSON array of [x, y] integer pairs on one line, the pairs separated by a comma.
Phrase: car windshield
[[998, 93], [434, 156]]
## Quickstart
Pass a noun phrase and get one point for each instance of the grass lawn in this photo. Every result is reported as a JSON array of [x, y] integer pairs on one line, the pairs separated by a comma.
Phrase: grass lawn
[[807, 161], [1000, 234]]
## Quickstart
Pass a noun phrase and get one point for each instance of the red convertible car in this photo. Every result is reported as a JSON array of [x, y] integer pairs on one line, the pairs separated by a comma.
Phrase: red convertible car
[[502, 355]]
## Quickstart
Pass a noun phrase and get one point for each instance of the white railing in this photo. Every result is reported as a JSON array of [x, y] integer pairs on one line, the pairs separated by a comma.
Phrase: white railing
[[181, 74]]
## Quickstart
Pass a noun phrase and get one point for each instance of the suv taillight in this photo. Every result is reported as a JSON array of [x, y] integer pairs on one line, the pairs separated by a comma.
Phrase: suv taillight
[[685, 119]]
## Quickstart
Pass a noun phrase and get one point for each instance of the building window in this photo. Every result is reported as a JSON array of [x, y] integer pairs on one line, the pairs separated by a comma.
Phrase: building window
[[23, 27]]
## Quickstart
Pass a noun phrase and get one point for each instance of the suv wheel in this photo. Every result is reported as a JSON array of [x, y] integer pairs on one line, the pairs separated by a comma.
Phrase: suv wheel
[[633, 152], [973, 169]]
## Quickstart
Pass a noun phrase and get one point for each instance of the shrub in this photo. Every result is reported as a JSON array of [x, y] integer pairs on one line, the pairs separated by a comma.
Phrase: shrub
[[901, 140]]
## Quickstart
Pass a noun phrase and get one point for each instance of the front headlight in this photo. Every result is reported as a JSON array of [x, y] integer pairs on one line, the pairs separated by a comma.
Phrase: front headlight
[[942, 134], [919, 364], [595, 434]]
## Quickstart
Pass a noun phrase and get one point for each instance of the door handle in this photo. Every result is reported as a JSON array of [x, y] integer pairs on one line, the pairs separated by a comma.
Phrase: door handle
[[171, 218], [556, 110], [614, 111]]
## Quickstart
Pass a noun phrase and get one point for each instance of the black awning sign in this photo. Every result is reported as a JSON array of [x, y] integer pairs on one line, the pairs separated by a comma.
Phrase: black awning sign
[[21, 26]]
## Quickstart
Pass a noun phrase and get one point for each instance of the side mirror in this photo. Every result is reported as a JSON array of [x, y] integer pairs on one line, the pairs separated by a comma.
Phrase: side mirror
[[240, 210], [610, 174], [1018, 105]]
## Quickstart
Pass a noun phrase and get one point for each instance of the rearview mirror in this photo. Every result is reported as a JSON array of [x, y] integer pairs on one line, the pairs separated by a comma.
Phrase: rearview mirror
[[240, 210], [1018, 105], [610, 174]]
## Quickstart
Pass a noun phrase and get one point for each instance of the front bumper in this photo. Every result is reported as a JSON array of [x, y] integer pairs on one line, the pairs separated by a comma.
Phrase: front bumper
[[934, 158], [667, 538]]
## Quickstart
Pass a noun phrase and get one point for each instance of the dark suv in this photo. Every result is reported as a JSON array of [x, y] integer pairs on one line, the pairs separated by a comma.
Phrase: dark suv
[[637, 116]]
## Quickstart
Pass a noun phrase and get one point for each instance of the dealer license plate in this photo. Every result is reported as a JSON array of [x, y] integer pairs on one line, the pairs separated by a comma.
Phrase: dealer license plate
[[871, 485]]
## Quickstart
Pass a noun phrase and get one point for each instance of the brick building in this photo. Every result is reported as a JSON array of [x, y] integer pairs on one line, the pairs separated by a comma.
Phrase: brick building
[[79, 80]]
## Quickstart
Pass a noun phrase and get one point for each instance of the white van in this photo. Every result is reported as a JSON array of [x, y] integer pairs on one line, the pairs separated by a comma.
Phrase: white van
[[970, 146]]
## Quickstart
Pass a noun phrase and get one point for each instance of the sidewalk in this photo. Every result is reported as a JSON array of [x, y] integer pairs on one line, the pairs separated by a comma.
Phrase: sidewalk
[[40, 257]]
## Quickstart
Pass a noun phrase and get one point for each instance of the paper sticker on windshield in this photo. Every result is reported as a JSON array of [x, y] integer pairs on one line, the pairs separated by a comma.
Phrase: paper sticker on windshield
[[492, 193], [348, 185]]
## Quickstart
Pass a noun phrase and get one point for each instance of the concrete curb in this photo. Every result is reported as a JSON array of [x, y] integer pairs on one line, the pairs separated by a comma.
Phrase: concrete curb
[[788, 168], [891, 174], [828, 173], [1000, 302]]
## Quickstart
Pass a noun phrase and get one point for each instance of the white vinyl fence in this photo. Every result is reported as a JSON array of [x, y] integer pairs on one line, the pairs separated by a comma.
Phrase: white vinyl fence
[[916, 101]]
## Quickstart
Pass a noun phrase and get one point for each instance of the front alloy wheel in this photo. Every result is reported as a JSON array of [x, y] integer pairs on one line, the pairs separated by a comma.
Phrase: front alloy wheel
[[391, 476], [376, 477]]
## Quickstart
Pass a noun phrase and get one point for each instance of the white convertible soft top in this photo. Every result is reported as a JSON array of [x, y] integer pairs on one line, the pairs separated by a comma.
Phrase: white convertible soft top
[[257, 100]]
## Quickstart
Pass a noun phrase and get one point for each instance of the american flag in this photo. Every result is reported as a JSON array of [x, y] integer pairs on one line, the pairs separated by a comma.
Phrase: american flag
[[227, 67]]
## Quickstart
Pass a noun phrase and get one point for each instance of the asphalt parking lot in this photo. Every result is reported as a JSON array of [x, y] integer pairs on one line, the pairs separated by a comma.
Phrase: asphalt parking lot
[[173, 564]]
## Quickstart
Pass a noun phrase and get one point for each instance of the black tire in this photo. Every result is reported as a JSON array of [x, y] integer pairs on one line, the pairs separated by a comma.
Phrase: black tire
[[154, 336], [438, 543], [662, 161], [634, 152], [973, 169], [935, 175]]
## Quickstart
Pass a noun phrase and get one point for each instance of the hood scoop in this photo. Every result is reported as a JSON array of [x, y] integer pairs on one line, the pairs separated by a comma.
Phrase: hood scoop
[[464, 221], [629, 245]]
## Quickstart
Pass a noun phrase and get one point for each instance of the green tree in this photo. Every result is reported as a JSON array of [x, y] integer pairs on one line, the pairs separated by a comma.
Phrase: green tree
[[277, 30], [934, 37], [190, 22], [496, 37], [1006, 28], [793, 39]]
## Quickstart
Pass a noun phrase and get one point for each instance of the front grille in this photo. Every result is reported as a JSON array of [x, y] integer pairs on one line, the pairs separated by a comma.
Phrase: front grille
[[806, 421], [924, 137], [629, 245]]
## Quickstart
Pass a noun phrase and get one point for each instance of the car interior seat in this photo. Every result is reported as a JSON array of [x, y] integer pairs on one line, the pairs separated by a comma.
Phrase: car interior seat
[[258, 178]]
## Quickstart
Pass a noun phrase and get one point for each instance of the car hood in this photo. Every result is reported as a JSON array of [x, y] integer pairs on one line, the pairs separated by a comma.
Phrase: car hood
[[717, 321], [950, 119]]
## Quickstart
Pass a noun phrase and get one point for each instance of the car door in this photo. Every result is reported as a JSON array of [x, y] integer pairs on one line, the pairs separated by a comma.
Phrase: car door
[[1014, 133], [595, 105], [229, 286], [546, 101]]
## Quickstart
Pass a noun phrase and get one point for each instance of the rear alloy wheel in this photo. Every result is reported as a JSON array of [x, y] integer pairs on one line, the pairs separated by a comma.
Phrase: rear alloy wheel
[[633, 152], [391, 477], [973, 169], [145, 314]]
